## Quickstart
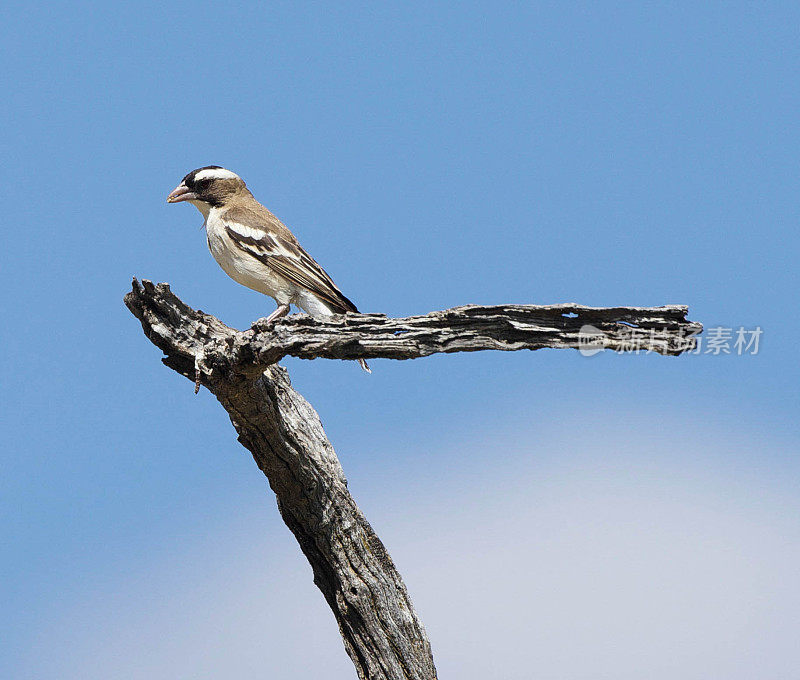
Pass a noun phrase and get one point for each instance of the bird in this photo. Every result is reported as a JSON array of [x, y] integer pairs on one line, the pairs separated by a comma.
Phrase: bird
[[256, 249]]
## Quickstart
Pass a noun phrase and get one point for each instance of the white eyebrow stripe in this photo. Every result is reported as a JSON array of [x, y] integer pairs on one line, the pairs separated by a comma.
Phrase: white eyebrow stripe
[[216, 173]]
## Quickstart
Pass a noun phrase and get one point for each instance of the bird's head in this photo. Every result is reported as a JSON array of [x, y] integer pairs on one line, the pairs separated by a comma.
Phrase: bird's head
[[208, 187]]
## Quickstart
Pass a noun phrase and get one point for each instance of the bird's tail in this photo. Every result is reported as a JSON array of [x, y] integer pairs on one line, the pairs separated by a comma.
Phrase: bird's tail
[[363, 363]]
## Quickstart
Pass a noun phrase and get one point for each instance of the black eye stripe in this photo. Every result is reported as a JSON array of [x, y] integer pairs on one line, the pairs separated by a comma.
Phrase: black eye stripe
[[189, 179]]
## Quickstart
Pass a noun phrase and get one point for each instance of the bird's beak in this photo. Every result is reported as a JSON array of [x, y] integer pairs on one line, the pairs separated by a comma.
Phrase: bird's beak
[[181, 193]]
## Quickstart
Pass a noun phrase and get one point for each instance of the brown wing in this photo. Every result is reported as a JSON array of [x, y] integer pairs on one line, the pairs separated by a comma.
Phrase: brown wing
[[286, 258], [303, 270]]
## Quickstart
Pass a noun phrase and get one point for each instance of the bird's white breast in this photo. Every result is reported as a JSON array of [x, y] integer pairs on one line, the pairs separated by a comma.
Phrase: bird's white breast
[[242, 267]]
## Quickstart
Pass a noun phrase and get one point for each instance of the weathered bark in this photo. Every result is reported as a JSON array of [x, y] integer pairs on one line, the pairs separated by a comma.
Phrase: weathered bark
[[381, 631]]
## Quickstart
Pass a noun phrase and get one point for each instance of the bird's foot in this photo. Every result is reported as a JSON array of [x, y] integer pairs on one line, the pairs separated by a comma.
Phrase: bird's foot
[[279, 313]]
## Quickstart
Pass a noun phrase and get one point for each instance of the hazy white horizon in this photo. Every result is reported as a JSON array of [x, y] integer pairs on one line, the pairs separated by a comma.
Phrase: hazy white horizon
[[577, 560]]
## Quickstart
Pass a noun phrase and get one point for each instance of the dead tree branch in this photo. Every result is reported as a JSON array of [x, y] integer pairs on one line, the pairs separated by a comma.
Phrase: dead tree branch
[[381, 631]]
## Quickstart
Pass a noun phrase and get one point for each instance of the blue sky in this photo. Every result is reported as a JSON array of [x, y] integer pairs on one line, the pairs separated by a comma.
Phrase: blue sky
[[641, 511]]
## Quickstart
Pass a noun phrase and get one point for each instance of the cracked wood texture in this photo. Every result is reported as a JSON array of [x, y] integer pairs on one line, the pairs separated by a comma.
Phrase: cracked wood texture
[[381, 631]]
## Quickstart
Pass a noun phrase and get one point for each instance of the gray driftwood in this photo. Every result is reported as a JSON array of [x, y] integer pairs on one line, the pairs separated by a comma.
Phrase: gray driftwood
[[381, 631]]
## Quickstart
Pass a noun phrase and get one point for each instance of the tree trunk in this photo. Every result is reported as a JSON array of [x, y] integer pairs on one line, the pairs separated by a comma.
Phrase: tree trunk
[[381, 631]]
